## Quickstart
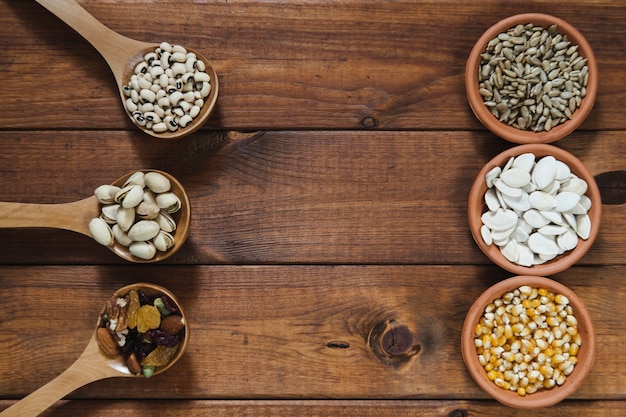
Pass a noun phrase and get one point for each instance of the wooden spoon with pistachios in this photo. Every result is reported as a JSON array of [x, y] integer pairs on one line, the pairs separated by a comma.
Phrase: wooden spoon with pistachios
[[123, 54], [76, 216], [94, 364]]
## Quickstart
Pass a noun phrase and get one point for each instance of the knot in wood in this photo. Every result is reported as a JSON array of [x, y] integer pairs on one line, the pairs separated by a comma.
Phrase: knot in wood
[[368, 122], [398, 340]]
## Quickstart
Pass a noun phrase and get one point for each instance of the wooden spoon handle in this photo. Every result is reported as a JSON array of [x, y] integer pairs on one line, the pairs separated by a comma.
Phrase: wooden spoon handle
[[115, 48], [73, 216], [89, 367]]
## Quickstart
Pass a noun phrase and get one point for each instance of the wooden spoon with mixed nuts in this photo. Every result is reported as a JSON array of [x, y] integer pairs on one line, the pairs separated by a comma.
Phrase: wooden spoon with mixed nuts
[[100, 360], [85, 217]]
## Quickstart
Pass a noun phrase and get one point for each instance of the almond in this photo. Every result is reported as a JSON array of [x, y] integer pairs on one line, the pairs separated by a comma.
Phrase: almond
[[133, 364], [106, 341], [172, 324]]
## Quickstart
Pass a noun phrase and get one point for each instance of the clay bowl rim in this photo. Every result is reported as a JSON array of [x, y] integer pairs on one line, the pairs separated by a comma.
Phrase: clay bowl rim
[[545, 397], [513, 134], [476, 207]]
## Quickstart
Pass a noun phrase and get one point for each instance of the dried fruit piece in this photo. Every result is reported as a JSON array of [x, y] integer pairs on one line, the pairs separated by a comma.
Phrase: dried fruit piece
[[160, 356], [133, 309], [148, 318]]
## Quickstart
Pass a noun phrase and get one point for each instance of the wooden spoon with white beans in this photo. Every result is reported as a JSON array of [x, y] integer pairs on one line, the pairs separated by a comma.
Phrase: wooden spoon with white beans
[[75, 216], [94, 364], [123, 54]]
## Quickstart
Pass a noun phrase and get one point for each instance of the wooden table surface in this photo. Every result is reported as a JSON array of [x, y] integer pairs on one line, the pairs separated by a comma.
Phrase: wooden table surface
[[329, 195]]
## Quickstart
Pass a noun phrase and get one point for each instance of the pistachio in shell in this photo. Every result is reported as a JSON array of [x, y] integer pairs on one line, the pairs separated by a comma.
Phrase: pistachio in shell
[[101, 231], [157, 182], [144, 230], [168, 202], [129, 196], [105, 194], [163, 241], [143, 250], [147, 211]]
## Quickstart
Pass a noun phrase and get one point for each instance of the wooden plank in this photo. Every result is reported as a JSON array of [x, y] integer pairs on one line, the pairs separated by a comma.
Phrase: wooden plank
[[287, 332], [264, 408], [288, 197], [318, 65]]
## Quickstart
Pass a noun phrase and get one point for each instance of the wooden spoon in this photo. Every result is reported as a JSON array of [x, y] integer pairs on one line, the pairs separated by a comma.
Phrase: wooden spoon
[[123, 54], [75, 216], [93, 364]]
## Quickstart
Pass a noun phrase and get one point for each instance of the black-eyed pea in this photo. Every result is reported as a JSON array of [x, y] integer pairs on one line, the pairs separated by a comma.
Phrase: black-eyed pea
[[141, 68], [194, 111], [179, 48], [130, 105], [164, 80], [159, 127], [201, 76], [200, 65], [171, 123], [159, 110], [185, 120], [187, 77], [205, 90], [152, 116], [146, 107], [147, 96], [178, 69], [175, 98], [179, 57], [166, 47], [144, 83]]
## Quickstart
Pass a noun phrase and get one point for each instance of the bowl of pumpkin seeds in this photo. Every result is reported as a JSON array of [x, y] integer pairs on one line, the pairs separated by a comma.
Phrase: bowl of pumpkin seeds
[[534, 209], [531, 78]]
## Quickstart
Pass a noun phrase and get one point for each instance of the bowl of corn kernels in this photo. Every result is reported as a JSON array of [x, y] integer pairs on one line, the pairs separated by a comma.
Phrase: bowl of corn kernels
[[528, 342], [531, 78]]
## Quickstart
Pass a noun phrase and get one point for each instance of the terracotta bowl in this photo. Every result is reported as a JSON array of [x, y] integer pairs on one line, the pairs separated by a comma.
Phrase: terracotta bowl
[[477, 206], [511, 133], [543, 397]]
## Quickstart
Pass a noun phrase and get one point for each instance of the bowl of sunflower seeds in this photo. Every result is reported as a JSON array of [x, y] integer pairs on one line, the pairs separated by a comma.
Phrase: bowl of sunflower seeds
[[531, 78]]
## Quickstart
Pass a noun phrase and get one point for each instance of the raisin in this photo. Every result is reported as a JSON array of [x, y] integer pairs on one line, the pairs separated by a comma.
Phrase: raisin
[[148, 318]]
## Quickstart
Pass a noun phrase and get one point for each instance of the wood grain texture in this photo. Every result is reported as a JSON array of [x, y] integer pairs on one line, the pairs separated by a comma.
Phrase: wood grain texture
[[274, 331], [289, 197], [329, 198], [369, 408], [348, 64]]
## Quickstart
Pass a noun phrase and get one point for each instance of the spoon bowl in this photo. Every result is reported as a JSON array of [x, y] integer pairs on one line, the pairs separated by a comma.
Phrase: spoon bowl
[[93, 364], [122, 54], [75, 216]]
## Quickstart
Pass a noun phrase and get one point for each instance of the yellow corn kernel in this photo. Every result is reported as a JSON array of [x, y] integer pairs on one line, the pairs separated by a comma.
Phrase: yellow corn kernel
[[548, 383], [549, 352], [561, 299], [488, 367], [553, 321], [573, 349], [526, 303], [508, 356], [542, 292], [546, 370], [521, 391], [486, 341], [492, 375]]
